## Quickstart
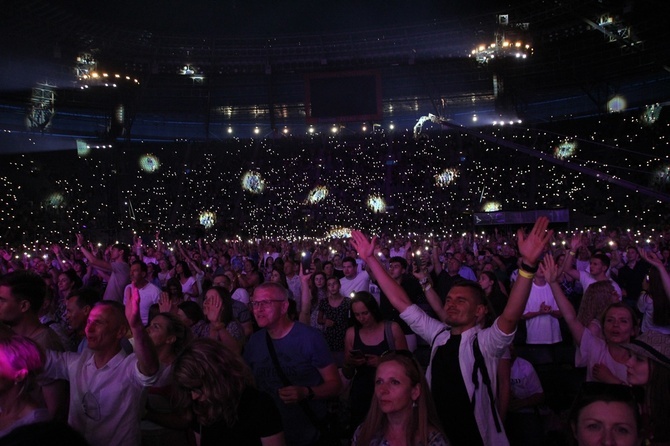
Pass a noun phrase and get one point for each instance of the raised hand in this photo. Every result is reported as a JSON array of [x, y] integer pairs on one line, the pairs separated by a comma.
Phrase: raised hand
[[304, 278], [532, 244], [650, 258], [549, 269], [133, 307], [364, 247], [576, 241], [212, 307], [164, 304]]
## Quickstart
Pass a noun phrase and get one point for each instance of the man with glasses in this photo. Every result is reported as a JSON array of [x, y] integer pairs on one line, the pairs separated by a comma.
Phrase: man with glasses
[[291, 362], [106, 383]]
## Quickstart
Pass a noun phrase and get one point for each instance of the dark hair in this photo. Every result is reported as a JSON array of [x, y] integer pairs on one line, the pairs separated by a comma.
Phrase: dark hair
[[184, 267], [74, 278], [85, 296], [595, 391], [143, 266], [477, 289], [178, 329], [398, 259], [350, 260], [26, 285], [226, 303], [82, 264], [603, 258], [282, 276], [174, 282], [192, 311], [370, 303], [123, 248], [660, 299]]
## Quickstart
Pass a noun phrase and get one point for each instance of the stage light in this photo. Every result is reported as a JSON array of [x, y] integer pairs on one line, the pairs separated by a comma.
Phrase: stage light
[[565, 150], [616, 104], [207, 219], [310, 129], [334, 129], [55, 200], [376, 204], [317, 194], [256, 130], [253, 182], [446, 177], [492, 206], [230, 130], [149, 163]]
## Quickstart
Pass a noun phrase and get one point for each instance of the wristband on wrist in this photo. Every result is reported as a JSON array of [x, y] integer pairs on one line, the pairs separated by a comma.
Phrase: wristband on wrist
[[528, 268], [572, 253], [526, 274], [426, 287]]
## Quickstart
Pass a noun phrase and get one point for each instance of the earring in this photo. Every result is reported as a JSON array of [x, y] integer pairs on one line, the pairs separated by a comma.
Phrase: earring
[[414, 404]]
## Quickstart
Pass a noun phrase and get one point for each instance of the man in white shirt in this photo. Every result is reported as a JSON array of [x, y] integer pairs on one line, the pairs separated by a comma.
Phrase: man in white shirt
[[149, 293], [598, 267], [106, 383], [353, 281], [541, 314]]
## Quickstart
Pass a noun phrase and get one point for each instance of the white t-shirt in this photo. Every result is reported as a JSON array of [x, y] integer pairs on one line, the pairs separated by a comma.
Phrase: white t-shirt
[[118, 279], [592, 351], [542, 329], [359, 283], [646, 306], [524, 380], [587, 279], [149, 295]]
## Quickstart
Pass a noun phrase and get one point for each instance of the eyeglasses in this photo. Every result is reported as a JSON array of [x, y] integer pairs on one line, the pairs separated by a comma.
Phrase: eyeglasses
[[263, 304]]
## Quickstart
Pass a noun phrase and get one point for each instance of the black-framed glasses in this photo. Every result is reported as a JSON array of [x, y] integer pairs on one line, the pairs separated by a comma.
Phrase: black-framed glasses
[[263, 304]]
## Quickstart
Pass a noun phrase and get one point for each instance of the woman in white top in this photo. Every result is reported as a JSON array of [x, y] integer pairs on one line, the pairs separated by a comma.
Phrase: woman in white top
[[605, 359], [654, 303]]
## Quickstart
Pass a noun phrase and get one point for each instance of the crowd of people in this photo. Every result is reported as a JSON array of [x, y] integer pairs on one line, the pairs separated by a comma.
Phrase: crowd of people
[[363, 340]]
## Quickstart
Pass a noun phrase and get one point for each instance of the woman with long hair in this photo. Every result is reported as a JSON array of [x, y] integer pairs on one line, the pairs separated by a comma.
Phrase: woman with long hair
[[186, 279], [495, 294], [649, 368], [313, 290], [597, 297], [604, 358], [216, 387], [402, 410], [218, 309], [654, 302], [364, 343], [21, 360], [605, 414], [161, 422]]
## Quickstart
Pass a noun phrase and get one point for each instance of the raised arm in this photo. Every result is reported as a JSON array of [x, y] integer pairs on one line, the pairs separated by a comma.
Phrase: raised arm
[[550, 270], [92, 260], [395, 293], [654, 261], [305, 298], [431, 295], [568, 264], [147, 357], [530, 249]]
